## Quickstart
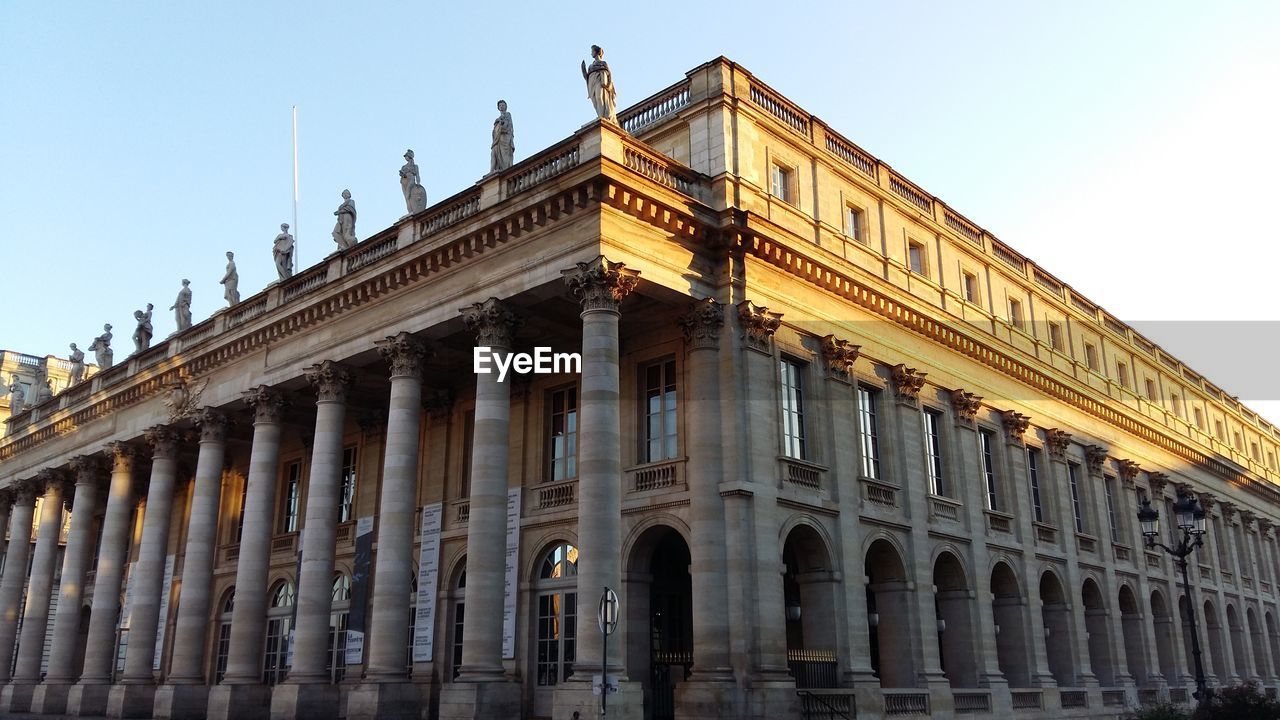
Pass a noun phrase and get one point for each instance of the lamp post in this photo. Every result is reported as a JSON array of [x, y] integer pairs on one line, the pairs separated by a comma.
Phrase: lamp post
[[1189, 516]]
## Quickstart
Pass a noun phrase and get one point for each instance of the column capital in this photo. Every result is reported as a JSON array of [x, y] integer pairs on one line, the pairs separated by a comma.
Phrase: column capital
[[6, 500], [438, 402], [405, 353], [600, 284], [838, 356], [966, 405], [123, 456], [1129, 472], [493, 323], [1184, 488], [1095, 456], [701, 324], [1015, 425], [213, 424], [1057, 441], [1246, 518], [758, 324], [267, 402], [331, 380], [1228, 510], [907, 383], [87, 469], [1207, 500], [1264, 525], [26, 491], [1157, 481], [163, 441]]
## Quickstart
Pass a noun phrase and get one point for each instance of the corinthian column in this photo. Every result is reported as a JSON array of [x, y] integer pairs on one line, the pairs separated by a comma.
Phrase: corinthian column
[[35, 617], [388, 694], [89, 696], [15, 566], [480, 690], [600, 286], [307, 693], [134, 697]]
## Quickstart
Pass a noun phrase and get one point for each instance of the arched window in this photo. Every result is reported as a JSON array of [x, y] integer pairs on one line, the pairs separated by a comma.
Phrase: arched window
[[275, 655], [341, 608], [557, 615], [457, 602], [223, 647]]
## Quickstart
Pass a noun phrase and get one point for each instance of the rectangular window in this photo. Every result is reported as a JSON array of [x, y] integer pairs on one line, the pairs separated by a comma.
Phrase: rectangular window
[[1091, 356], [1073, 476], [1033, 474], [1015, 313], [1151, 389], [1239, 441], [1253, 450], [1177, 404], [780, 183], [468, 437], [347, 500], [1199, 418], [988, 440], [244, 496], [870, 440], [793, 435], [1122, 374], [562, 437], [659, 405], [916, 257], [1217, 428], [971, 287], [1055, 337], [1271, 460], [854, 219], [1108, 487], [933, 451], [289, 498]]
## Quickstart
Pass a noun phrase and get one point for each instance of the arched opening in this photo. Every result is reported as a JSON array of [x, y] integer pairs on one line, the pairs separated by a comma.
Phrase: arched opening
[[457, 616], [1238, 655], [1131, 627], [1056, 615], [1009, 608], [952, 610], [1273, 639], [275, 653], [555, 622], [659, 617], [222, 646], [1213, 629], [1259, 643], [340, 610], [809, 596], [1188, 656], [889, 616], [1095, 625], [1162, 625]]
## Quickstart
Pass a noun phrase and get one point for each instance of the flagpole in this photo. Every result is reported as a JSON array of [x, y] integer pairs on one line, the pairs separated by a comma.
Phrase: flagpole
[[296, 254]]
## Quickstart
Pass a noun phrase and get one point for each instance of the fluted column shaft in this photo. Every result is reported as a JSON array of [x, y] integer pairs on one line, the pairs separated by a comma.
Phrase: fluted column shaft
[[187, 664], [249, 614], [319, 534], [494, 326], [389, 629], [35, 617], [66, 626], [15, 571], [112, 552], [148, 572]]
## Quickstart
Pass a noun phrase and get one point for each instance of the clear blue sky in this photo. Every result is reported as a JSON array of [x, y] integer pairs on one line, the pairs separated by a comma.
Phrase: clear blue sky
[[139, 141]]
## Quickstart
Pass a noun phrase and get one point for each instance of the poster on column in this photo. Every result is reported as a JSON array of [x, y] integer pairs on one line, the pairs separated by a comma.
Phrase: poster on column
[[293, 617], [512, 583], [126, 610], [359, 591], [162, 620], [424, 621]]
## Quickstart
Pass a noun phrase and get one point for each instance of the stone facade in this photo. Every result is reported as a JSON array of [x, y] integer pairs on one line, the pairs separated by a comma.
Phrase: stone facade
[[819, 445]]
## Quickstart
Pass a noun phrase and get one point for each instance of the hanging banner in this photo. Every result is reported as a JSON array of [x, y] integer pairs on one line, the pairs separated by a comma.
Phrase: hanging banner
[[512, 576], [424, 621], [293, 617], [126, 610], [359, 591], [162, 620]]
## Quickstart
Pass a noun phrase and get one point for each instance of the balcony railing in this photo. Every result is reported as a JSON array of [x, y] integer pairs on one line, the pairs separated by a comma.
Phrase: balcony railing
[[555, 495], [906, 702], [1046, 533], [813, 668], [878, 494], [1027, 699], [971, 701], [998, 521], [1073, 699], [943, 508], [801, 473], [656, 476], [1113, 698]]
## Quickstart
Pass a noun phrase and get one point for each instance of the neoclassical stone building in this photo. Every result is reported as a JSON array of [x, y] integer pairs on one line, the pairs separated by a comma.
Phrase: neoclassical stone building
[[834, 446]]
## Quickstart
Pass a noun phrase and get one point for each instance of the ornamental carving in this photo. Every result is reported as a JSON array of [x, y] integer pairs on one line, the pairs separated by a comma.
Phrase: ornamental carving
[[405, 353], [1207, 501], [1228, 510], [1095, 456], [492, 322], [839, 356], [1157, 481], [1183, 488], [758, 324], [1057, 441], [163, 441], [966, 405], [438, 403], [183, 398], [1246, 518], [600, 284], [86, 468], [331, 380], [1129, 473], [1015, 425], [268, 404], [26, 491], [122, 456], [1264, 525], [213, 424], [701, 325], [907, 383]]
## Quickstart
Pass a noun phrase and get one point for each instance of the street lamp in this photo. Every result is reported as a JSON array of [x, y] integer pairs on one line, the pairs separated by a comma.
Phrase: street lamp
[[1189, 516]]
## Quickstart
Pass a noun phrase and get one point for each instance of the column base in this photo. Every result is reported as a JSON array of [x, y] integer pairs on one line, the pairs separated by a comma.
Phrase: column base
[[181, 702], [239, 702], [497, 699], [399, 700], [772, 699], [88, 699], [131, 701], [50, 698], [310, 701], [708, 700], [575, 696], [16, 697]]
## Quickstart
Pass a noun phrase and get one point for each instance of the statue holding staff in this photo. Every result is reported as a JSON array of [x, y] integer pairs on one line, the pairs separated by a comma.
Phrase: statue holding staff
[[600, 85]]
